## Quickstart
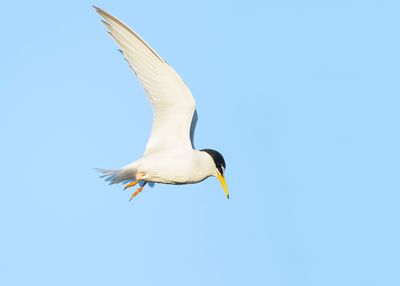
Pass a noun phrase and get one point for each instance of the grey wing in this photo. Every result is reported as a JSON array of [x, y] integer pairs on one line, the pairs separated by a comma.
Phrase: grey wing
[[193, 127]]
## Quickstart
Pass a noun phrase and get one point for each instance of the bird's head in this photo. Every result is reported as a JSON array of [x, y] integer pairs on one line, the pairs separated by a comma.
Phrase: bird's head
[[219, 168]]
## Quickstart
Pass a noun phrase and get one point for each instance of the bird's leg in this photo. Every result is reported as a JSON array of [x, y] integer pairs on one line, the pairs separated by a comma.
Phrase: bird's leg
[[131, 184], [138, 191]]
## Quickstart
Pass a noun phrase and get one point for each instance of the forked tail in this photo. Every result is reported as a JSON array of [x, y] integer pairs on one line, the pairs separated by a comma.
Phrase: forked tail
[[116, 176]]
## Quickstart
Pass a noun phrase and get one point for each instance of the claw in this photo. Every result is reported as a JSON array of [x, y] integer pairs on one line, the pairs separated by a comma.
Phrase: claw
[[131, 184], [137, 191]]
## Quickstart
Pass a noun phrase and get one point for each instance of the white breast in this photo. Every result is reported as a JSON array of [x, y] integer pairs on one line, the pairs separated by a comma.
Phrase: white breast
[[191, 166]]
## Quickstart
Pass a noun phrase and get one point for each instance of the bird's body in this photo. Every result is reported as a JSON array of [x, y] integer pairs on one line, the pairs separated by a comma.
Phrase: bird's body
[[187, 167], [169, 156]]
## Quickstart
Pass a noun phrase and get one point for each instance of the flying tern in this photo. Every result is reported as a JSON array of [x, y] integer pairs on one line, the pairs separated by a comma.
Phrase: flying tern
[[169, 156]]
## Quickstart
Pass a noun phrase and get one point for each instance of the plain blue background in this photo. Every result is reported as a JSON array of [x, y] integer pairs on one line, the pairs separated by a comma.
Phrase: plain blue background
[[301, 97]]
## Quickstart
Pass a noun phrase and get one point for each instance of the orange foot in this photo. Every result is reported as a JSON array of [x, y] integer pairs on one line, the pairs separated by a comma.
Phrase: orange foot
[[131, 184], [137, 191]]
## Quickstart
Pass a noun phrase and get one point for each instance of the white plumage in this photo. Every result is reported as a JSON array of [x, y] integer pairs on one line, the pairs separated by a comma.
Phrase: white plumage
[[169, 156]]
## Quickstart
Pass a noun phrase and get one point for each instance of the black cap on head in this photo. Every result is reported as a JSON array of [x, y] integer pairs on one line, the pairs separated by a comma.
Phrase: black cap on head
[[218, 159]]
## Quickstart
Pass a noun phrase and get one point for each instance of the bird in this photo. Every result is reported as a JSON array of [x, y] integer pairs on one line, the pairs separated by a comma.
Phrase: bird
[[169, 156]]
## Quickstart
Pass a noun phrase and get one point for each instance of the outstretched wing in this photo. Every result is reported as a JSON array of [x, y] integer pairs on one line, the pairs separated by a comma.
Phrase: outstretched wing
[[172, 102]]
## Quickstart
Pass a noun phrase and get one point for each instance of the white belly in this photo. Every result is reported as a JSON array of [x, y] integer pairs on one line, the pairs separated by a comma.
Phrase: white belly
[[175, 168]]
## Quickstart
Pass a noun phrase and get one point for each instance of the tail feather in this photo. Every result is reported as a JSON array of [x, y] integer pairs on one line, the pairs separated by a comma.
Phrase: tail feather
[[117, 176]]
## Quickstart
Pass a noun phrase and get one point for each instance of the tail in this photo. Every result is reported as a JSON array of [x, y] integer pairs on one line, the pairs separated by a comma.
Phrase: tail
[[117, 176]]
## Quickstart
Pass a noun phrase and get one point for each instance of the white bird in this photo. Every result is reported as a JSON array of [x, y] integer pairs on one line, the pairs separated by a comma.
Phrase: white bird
[[169, 156]]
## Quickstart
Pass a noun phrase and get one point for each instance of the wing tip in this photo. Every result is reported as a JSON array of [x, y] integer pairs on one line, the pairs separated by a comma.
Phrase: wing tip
[[106, 24], [111, 19], [98, 9], [102, 12]]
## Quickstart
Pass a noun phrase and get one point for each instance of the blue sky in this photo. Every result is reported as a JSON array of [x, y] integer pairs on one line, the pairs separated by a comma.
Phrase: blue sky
[[301, 97]]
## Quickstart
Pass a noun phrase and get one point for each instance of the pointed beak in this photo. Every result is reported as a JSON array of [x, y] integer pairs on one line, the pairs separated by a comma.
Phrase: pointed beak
[[221, 179]]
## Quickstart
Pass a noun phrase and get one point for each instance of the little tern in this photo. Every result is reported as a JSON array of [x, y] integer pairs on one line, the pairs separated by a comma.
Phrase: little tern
[[169, 156]]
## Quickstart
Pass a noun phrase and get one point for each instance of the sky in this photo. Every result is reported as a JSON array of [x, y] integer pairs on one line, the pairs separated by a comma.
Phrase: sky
[[301, 98]]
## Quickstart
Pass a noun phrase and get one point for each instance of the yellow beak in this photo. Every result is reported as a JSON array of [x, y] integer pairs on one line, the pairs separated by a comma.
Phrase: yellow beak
[[221, 179]]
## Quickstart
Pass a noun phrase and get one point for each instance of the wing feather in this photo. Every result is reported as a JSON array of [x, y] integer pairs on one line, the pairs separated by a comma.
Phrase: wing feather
[[172, 102]]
